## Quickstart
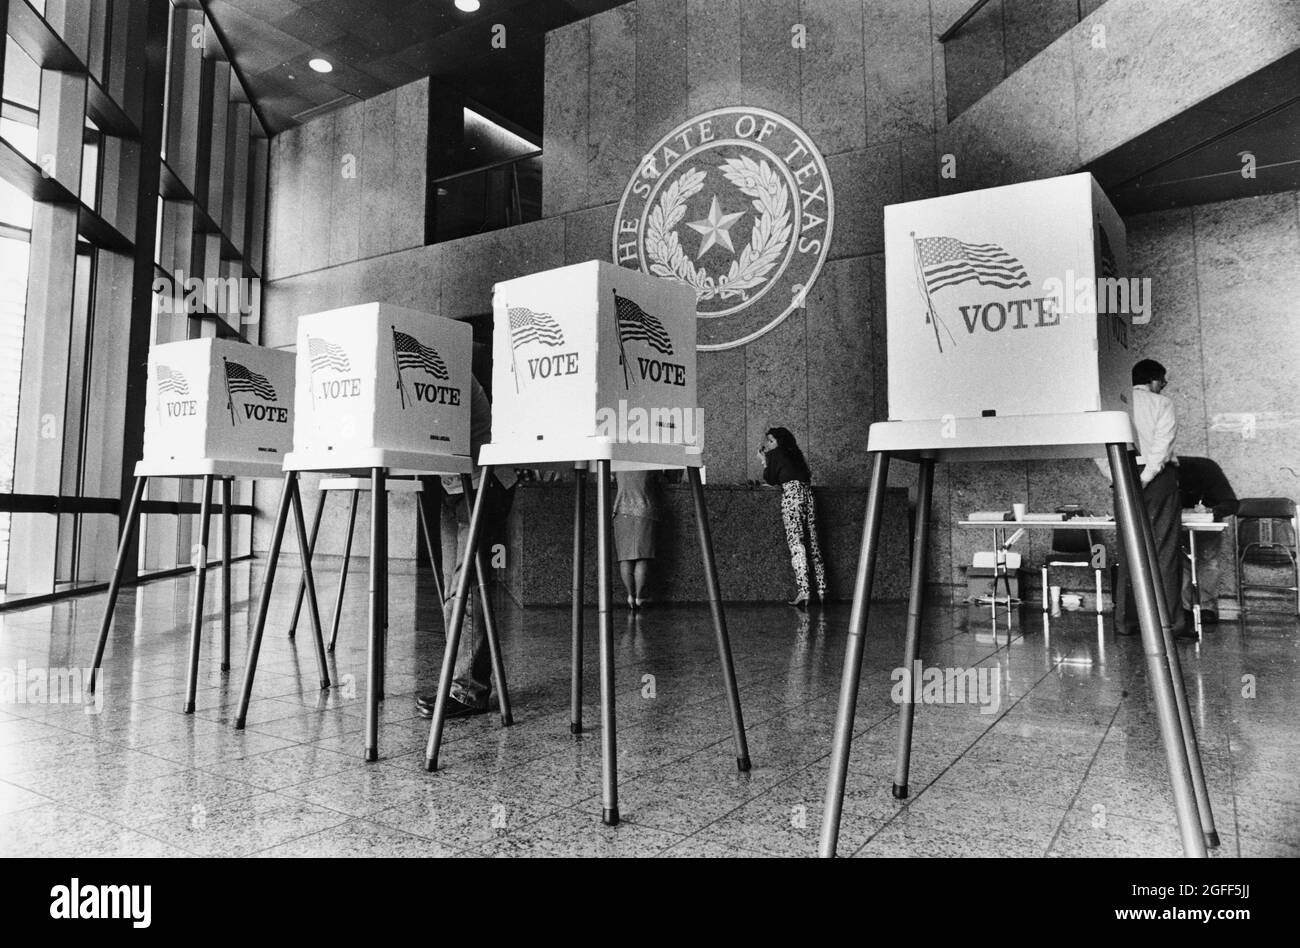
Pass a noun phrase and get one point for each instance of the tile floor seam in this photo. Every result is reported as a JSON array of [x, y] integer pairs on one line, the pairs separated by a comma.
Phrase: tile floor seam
[[1088, 770]]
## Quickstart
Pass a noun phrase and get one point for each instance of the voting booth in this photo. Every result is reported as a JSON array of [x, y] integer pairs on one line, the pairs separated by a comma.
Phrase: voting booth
[[594, 366], [1008, 312], [382, 391], [378, 377], [996, 293], [594, 350], [215, 409], [216, 400]]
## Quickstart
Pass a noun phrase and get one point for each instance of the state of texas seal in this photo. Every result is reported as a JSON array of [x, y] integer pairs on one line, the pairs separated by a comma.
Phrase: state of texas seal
[[735, 203]]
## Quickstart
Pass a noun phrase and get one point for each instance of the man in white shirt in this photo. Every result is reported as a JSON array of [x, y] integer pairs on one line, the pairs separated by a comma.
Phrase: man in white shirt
[[1156, 425]]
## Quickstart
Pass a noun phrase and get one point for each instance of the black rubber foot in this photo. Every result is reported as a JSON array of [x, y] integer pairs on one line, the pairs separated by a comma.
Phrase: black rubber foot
[[1212, 840], [900, 791], [189, 707], [508, 720], [324, 684], [239, 724], [430, 764], [743, 764], [291, 636], [610, 817], [330, 650], [575, 728], [225, 666], [372, 754]]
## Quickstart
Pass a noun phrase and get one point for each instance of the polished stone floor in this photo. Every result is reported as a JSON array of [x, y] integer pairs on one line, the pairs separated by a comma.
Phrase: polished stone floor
[[1059, 755]]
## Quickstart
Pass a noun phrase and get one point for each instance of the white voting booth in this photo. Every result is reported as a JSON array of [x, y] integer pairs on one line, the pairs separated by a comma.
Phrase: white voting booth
[[594, 364], [214, 409], [381, 390], [377, 381], [998, 351], [595, 351], [217, 402]]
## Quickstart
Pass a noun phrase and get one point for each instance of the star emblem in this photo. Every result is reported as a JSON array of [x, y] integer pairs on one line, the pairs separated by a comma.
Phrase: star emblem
[[715, 228]]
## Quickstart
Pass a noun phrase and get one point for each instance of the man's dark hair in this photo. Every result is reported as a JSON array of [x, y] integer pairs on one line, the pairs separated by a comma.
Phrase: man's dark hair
[[1148, 370]]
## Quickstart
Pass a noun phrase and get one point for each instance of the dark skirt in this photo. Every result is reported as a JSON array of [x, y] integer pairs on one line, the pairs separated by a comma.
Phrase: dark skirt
[[634, 537]]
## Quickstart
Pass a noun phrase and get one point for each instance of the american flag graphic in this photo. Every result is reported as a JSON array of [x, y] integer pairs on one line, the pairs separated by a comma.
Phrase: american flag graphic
[[636, 323], [412, 354], [169, 380], [240, 378], [946, 261], [527, 326], [326, 355]]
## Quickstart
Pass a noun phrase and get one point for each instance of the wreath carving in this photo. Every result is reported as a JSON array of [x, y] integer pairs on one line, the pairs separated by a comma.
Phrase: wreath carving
[[767, 242]]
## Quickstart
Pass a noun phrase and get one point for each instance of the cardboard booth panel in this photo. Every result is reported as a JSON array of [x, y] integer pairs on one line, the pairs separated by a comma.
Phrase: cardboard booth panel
[[594, 350], [992, 302], [214, 399], [377, 376]]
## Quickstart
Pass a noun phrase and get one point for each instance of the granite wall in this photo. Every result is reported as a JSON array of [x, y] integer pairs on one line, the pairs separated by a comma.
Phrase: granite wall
[[749, 540]]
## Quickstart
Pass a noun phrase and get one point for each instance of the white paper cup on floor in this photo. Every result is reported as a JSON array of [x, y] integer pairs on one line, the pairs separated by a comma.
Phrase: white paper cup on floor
[[1018, 511], [1055, 592]]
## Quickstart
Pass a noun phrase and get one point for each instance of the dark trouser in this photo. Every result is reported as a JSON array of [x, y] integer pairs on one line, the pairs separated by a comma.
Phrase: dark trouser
[[1160, 498], [472, 682]]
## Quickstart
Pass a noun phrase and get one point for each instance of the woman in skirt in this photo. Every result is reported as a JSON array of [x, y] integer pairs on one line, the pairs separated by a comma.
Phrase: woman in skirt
[[784, 465], [636, 508]]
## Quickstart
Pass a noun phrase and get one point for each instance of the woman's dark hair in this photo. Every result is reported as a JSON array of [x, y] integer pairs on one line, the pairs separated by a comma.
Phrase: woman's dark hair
[[785, 441]]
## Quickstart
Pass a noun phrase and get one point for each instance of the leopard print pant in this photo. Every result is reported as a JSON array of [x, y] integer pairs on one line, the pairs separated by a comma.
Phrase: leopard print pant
[[800, 515]]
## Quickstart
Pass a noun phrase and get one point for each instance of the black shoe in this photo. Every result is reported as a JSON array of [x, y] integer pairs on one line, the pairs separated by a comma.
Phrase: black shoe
[[455, 709]]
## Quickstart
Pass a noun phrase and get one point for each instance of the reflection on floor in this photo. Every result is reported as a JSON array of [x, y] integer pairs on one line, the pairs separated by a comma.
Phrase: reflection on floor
[[1059, 753]]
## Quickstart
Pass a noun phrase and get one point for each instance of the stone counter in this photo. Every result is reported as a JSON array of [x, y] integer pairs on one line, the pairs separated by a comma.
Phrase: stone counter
[[748, 539]]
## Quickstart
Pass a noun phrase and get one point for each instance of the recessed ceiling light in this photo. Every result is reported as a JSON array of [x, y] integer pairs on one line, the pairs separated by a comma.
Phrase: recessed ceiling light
[[320, 65], [468, 6]]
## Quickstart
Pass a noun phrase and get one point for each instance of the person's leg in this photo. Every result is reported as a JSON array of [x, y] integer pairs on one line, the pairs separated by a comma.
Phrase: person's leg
[[641, 573], [1161, 499], [625, 572], [471, 684], [814, 547], [794, 538]]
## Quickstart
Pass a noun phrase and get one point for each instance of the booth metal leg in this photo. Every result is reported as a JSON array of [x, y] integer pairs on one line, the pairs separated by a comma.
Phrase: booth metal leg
[[378, 608], [604, 596], [1045, 596], [115, 584], [200, 588], [427, 530], [915, 612], [579, 567], [313, 609], [454, 630], [306, 560], [843, 738], [226, 483], [489, 616], [1196, 587], [1097, 572], [1185, 724], [264, 603], [719, 622], [1145, 588], [343, 573]]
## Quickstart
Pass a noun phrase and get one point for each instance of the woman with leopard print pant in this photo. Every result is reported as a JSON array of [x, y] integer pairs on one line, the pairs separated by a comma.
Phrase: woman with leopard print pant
[[784, 465]]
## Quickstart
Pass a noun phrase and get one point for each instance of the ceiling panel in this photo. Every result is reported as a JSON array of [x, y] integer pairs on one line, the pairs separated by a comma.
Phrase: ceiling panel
[[377, 45]]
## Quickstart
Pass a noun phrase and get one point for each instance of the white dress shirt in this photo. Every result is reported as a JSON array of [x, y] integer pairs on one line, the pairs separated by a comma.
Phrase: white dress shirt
[[1156, 424]]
